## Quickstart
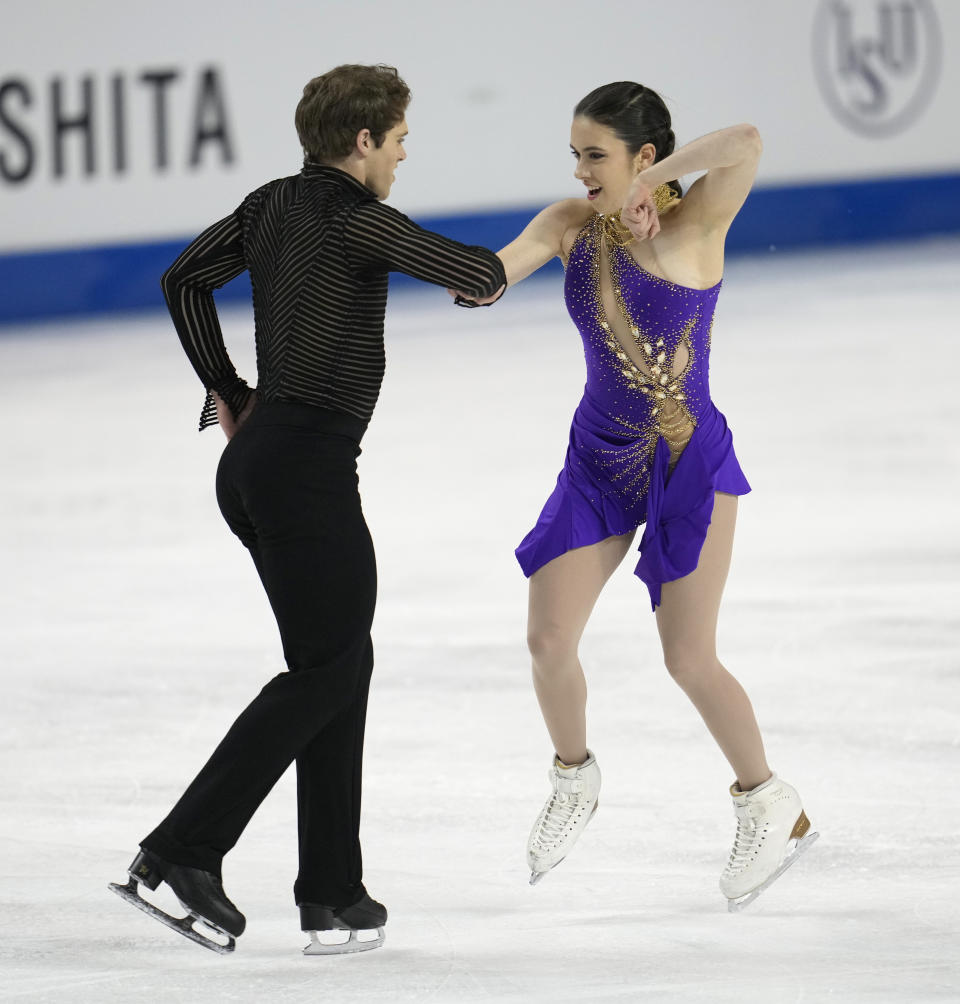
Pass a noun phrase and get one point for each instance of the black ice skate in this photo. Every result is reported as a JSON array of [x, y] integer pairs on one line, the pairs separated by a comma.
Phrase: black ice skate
[[364, 915], [200, 893]]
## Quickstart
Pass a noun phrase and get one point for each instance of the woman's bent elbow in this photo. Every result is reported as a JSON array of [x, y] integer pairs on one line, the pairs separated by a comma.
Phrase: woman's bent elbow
[[751, 138]]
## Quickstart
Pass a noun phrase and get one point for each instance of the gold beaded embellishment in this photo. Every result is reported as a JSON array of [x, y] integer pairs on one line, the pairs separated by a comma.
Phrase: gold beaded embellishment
[[664, 198], [614, 231], [617, 233], [629, 467], [669, 415]]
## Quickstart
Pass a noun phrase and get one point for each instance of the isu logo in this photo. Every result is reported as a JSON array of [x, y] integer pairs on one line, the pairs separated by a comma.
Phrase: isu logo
[[877, 62]]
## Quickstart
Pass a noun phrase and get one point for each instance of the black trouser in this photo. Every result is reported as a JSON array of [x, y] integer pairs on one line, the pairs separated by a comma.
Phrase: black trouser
[[287, 487]]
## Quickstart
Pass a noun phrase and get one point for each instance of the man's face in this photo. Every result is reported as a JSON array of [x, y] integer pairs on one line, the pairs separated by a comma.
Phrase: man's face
[[382, 161]]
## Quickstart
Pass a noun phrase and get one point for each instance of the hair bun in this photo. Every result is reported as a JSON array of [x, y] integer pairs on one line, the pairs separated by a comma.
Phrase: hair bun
[[635, 113], [669, 143]]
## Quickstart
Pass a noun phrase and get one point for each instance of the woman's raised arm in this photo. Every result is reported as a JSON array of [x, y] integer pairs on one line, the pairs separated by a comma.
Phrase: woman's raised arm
[[539, 241], [729, 156]]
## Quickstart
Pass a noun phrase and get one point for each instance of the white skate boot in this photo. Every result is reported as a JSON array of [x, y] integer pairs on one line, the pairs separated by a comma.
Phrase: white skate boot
[[772, 832], [569, 808]]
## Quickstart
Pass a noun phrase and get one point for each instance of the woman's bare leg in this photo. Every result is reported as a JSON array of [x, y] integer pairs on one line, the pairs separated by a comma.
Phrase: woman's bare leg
[[562, 595], [687, 621]]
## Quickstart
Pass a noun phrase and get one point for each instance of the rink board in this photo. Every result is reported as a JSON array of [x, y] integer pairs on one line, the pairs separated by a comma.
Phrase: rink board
[[116, 147], [126, 276]]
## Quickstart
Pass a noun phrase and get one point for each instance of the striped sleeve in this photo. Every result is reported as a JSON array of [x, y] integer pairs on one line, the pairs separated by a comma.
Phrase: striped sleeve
[[378, 236], [209, 262]]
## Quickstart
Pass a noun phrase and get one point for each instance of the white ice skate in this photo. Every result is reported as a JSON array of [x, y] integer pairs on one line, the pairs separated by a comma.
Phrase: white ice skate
[[569, 808], [772, 832]]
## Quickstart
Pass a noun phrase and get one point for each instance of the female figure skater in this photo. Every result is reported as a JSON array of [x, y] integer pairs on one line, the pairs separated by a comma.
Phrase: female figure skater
[[647, 447], [319, 246]]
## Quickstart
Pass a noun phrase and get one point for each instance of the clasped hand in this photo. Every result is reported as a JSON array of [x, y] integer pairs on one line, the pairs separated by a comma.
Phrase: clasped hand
[[639, 212], [464, 300]]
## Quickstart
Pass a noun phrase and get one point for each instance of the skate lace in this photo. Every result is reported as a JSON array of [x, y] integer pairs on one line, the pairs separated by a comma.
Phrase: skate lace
[[750, 834], [560, 810]]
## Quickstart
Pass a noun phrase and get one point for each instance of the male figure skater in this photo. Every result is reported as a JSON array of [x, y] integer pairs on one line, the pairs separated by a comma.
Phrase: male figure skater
[[319, 246]]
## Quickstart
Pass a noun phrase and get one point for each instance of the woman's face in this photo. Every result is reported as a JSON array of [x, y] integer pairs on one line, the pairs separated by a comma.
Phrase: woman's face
[[604, 164]]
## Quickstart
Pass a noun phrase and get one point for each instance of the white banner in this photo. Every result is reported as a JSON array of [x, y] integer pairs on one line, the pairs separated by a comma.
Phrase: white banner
[[126, 121]]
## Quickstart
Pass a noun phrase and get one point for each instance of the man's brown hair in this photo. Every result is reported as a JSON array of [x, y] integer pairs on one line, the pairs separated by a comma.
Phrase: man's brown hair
[[338, 104]]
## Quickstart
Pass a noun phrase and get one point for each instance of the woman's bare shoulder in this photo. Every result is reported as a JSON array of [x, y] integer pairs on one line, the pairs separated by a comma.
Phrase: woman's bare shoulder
[[570, 212], [571, 216]]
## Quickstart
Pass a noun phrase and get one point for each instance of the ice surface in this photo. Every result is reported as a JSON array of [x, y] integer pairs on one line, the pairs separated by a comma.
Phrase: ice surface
[[134, 629]]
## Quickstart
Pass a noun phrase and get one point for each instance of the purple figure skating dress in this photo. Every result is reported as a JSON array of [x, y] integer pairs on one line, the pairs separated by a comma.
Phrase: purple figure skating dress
[[647, 444]]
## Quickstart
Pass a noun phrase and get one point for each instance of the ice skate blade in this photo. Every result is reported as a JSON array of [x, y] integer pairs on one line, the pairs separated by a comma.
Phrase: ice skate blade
[[536, 876], [736, 905], [182, 925], [352, 945]]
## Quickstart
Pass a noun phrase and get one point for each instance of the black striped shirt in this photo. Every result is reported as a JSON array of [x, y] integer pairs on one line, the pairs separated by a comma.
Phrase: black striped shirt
[[319, 247]]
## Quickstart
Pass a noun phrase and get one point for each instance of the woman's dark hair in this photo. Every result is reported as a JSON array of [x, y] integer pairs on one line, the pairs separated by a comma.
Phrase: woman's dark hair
[[636, 114], [338, 104]]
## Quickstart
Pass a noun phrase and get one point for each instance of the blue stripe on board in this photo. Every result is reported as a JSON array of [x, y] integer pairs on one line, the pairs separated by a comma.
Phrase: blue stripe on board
[[126, 276]]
